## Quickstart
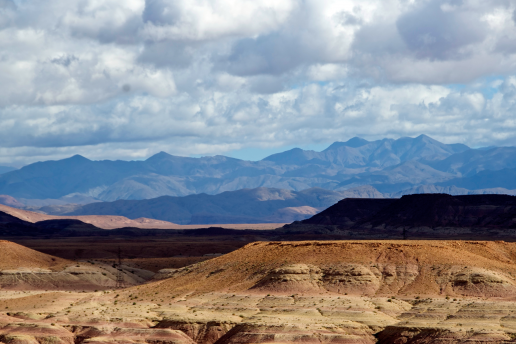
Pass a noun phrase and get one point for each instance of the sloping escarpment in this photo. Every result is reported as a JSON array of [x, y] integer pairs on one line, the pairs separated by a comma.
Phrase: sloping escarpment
[[481, 282], [348, 211], [47, 280], [352, 279], [14, 256], [22, 268]]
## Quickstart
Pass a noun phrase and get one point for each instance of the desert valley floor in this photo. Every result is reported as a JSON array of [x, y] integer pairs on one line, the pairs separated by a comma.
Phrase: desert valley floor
[[267, 292]]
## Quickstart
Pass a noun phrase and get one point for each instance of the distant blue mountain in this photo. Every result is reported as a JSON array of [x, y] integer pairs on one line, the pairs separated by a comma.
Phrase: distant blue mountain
[[473, 161], [242, 206], [388, 165], [487, 179], [358, 152], [4, 169]]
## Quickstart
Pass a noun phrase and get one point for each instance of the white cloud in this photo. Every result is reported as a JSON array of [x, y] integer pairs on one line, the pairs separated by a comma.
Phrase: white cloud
[[220, 122], [126, 79], [212, 19], [326, 72]]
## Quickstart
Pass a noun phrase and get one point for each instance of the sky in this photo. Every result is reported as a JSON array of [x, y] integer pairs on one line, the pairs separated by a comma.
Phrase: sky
[[112, 79]]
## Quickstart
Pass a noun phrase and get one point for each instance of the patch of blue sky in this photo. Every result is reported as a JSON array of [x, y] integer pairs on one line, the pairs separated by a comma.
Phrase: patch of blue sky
[[256, 154], [488, 86]]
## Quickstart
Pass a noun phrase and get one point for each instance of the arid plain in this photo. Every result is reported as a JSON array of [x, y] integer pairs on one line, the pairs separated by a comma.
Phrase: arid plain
[[265, 292], [60, 278]]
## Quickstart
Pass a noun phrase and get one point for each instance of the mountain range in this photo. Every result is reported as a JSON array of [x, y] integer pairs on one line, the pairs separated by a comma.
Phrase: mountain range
[[393, 167], [4, 169], [260, 205]]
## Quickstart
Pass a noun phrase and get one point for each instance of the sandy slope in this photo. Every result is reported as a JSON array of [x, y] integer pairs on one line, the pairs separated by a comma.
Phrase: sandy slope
[[24, 269], [14, 256]]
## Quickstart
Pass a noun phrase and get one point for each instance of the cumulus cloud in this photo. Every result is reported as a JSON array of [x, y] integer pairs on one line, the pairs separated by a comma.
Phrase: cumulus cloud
[[214, 19], [440, 30], [113, 79]]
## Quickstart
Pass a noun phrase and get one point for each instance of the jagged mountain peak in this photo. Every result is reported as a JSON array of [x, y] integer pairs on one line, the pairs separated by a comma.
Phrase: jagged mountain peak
[[293, 156], [159, 156], [383, 163], [354, 142], [77, 157]]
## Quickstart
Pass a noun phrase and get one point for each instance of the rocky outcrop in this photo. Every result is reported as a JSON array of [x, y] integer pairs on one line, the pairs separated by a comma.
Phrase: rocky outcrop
[[25, 332], [202, 332], [48, 280], [415, 335], [292, 278], [472, 281], [31, 333], [151, 336], [290, 333], [353, 279]]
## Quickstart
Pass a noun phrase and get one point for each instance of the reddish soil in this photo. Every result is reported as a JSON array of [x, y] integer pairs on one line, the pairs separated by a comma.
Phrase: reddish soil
[[433, 268], [14, 256], [417, 292]]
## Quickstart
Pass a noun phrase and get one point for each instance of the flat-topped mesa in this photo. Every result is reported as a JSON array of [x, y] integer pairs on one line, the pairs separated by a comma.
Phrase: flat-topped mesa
[[419, 216], [361, 268], [348, 211]]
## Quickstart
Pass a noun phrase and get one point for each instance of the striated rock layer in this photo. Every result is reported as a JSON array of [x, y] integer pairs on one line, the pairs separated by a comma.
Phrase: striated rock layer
[[363, 268], [440, 292]]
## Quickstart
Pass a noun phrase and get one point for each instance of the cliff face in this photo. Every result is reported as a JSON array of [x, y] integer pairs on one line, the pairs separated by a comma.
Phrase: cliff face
[[418, 216]]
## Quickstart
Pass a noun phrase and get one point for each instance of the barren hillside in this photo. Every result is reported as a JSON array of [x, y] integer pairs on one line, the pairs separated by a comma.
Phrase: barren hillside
[[417, 292], [431, 268], [14, 256], [22, 268]]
